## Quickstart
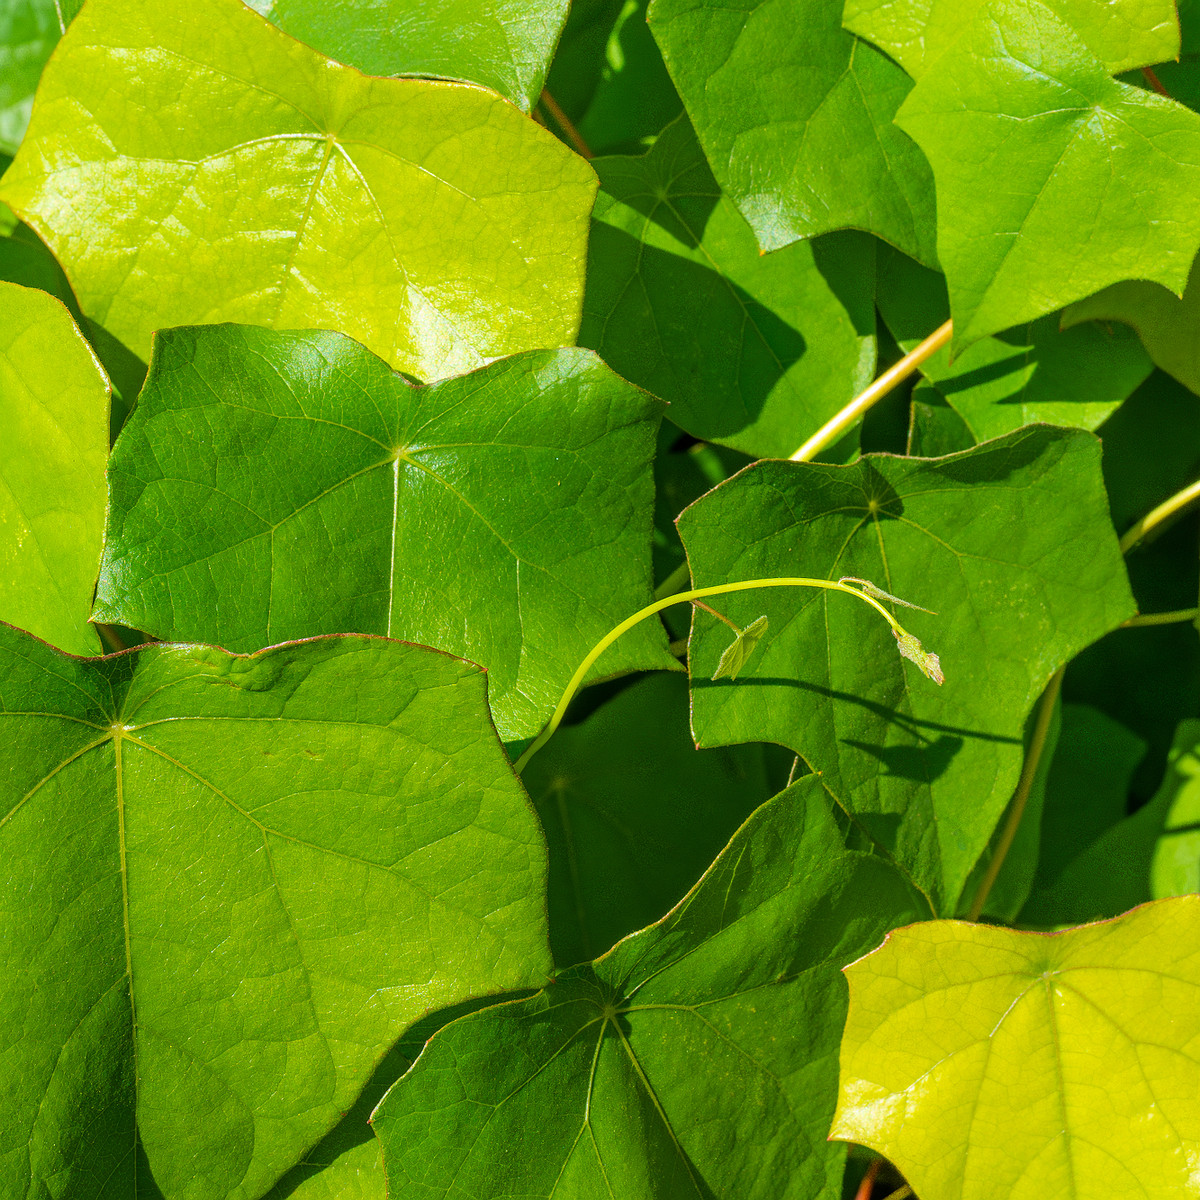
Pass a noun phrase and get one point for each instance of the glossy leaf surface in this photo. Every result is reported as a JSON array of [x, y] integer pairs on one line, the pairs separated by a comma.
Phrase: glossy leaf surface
[[503, 44], [232, 883], [985, 1062], [189, 163], [1053, 180], [281, 485], [634, 813], [1010, 541], [1120, 33], [54, 413], [657, 1071], [752, 351], [795, 117]]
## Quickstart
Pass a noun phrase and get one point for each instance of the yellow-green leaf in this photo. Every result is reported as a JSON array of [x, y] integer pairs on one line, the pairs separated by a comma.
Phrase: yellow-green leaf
[[988, 1064], [188, 163], [53, 450]]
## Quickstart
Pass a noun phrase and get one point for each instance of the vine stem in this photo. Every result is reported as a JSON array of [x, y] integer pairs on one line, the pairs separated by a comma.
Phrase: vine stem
[[1162, 618], [1037, 743], [1177, 503], [837, 425], [722, 589], [868, 1180], [565, 124]]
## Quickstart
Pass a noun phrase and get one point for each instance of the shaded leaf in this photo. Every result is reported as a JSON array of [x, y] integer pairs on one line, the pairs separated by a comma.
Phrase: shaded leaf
[[1173, 817], [916, 33], [659, 1070], [29, 31], [54, 412], [795, 116], [503, 44], [634, 813], [754, 352], [251, 855], [985, 1062], [1053, 180], [431, 221], [281, 485], [1010, 540], [934, 427], [1036, 372]]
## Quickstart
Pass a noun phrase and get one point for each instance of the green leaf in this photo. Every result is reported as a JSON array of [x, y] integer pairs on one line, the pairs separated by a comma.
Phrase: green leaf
[[634, 813], [1095, 862], [985, 1062], [231, 883], [738, 653], [755, 352], [1169, 325], [1053, 180], [275, 485], [1173, 819], [29, 31], [795, 116], [430, 221], [1035, 372], [503, 44], [934, 427], [1120, 33], [1010, 541], [696, 1059], [54, 412]]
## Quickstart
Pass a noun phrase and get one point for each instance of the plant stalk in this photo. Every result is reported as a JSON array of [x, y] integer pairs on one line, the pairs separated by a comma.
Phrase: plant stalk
[[894, 375], [565, 124], [1162, 618], [722, 589], [1169, 508]]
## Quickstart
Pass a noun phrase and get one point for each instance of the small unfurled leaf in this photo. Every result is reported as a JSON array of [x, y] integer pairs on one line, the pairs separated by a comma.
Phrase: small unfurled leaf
[[738, 652], [911, 648], [988, 1063]]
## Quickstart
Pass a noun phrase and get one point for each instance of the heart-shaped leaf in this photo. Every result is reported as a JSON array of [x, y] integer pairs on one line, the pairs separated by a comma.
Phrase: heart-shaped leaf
[[277, 485], [985, 1062], [431, 221], [695, 1060], [230, 884]]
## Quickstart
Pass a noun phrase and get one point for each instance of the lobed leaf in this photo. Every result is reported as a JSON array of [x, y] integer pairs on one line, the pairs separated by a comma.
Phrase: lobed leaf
[[748, 350], [1053, 180], [232, 883], [986, 1062], [54, 400], [1010, 541], [188, 163], [276, 485], [659, 1070], [795, 117]]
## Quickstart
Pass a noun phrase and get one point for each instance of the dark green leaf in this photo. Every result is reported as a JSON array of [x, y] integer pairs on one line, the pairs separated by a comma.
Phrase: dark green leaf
[[634, 813], [934, 427], [795, 116], [280, 485], [219, 170], [697, 1059], [754, 352], [1010, 541], [231, 883]]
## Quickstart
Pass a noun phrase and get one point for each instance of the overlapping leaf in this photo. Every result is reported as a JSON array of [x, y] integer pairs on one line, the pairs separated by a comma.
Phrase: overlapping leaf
[[696, 1059], [1053, 180], [985, 1062], [188, 163], [279, 485], [751, 351], [54, 412], [230, 884], [504, 44], [29, 31], [1035, 372], [1120, 33], [634, 813], [1010, 542], [795, 116]]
